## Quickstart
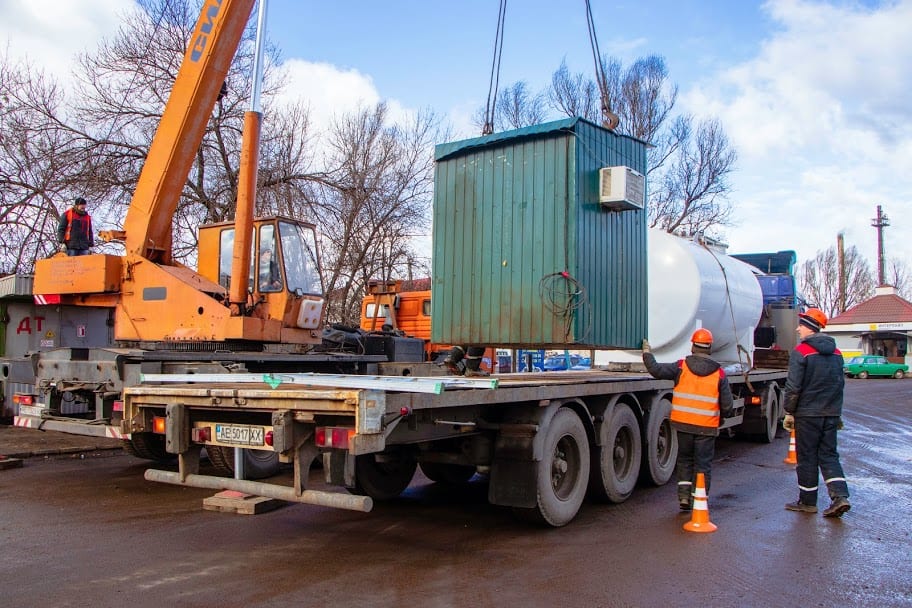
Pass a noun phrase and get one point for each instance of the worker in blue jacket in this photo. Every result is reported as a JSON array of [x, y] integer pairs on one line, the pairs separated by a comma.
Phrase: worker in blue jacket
[[813, 408]]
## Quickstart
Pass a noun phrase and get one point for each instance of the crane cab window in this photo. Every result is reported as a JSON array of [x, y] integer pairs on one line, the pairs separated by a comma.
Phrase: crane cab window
[[226, 246], [269, 274], [299, 246]]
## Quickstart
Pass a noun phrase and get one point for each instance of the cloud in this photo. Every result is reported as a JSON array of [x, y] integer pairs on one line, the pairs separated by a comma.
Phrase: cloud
[[827, 70], [50, 34], [329, 91], [821, 124]]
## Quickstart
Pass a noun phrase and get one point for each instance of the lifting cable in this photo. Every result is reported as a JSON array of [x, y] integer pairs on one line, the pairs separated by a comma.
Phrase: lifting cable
[[494, 81], [610, 120]]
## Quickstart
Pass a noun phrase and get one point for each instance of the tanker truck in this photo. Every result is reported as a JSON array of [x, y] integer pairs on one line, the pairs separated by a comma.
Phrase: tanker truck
[[693, 284], [540, 241]]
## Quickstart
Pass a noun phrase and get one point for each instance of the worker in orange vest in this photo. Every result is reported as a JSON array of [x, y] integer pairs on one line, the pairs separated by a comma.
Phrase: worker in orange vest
[[74, 230], [702, 397]]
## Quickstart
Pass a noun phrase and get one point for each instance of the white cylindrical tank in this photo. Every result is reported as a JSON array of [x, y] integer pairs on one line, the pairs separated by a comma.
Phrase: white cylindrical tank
[[692, 286]]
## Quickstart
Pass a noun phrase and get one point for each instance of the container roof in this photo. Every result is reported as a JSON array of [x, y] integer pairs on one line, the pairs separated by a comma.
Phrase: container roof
[[566, 125]]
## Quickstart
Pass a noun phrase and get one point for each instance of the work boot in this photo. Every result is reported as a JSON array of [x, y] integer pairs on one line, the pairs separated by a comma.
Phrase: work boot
[[838, 507], [801, 507], [684, 504], [452, 366]]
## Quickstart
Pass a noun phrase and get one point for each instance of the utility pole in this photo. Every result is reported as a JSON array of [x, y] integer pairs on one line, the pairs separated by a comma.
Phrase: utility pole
[[840, 257], [880, 222]]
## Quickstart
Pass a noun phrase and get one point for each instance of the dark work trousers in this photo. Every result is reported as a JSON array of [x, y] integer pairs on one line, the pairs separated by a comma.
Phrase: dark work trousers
[[815, 447], [695, 455]]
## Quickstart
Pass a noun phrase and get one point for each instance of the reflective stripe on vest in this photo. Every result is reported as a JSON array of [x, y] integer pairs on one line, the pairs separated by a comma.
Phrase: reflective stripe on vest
[[696, 398]]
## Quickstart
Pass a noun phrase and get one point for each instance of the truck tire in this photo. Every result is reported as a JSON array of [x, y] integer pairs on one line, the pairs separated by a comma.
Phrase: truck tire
[[661, 444], [616, 463], [772, 407], [258, 464], [386, 475], [562, 473], [452, 474], [148, 446]]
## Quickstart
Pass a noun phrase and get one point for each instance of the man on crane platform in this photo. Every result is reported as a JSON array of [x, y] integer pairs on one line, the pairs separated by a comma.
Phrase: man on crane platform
[[74, 230]]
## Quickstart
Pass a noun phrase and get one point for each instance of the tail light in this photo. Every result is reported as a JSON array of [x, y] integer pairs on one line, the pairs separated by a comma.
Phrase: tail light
[[333, 437], [22, 399], [158, 425], [754, 400], [118, 406]]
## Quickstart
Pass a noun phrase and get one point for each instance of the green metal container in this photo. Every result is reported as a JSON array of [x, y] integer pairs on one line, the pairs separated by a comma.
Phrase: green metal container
[[525, 251]]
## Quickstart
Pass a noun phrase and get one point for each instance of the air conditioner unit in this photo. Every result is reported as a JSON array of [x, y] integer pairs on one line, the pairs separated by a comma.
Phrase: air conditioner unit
[[622, 188]]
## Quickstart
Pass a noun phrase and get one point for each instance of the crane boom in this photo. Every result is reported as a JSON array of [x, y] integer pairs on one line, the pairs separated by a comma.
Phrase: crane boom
[[183, 123]]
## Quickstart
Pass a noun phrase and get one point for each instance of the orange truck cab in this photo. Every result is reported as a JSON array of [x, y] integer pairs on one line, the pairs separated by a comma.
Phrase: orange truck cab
[[409, 312]]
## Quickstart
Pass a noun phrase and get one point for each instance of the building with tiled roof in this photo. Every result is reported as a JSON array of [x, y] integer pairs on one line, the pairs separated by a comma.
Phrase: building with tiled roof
[[881, 325]]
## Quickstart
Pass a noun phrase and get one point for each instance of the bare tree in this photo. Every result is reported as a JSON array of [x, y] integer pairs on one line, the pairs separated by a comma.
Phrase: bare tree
[[34, 165], [691, 195], [369, 201], [688, 165], [899, 276], [576, 95], [819, 280], [96, 136], [376, 197]]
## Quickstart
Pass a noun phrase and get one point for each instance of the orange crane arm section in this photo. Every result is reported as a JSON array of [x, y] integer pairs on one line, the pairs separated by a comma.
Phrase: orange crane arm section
[[180, 132]]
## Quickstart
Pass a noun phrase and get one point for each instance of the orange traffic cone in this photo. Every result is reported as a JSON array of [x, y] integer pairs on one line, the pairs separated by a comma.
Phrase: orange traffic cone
[[699, 519], [792, 457]]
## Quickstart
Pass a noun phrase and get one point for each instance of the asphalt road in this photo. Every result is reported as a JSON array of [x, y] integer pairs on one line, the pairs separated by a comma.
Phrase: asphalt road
[[88, 530]]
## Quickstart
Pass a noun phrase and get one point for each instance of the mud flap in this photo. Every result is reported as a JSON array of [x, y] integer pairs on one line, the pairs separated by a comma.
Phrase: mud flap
[[513, 483]]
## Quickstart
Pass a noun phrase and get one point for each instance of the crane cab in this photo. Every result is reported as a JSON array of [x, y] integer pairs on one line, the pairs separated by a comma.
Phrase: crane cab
[[283, 256]]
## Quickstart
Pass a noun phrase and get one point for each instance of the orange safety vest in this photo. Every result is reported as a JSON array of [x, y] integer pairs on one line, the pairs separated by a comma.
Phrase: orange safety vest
[[82, 221], [695, 399]]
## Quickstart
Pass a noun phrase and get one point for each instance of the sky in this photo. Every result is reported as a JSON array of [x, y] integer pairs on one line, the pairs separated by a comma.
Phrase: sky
[[813, 94]]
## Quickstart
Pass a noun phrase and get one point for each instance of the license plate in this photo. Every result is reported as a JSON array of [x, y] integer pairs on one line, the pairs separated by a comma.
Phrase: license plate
[[239, 434], [30, 410]]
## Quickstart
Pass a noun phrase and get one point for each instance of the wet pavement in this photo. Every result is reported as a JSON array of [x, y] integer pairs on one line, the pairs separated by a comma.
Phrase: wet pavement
[[91, 531], [18, 442]]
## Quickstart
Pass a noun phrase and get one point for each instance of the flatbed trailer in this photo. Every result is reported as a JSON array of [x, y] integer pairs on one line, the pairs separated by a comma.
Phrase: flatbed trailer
[[544, 440], [79, 390]]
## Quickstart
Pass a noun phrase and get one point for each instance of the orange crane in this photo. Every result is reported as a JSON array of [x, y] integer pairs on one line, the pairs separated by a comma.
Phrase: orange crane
[[253, 304], [157, 299]]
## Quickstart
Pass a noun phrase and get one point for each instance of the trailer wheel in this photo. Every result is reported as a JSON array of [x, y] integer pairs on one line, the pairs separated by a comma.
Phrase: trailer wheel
[[562, 473], [384, 476], [148, 446], [258, 464], [453, 474], [616, 463], [661, 444], [771, 406]]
